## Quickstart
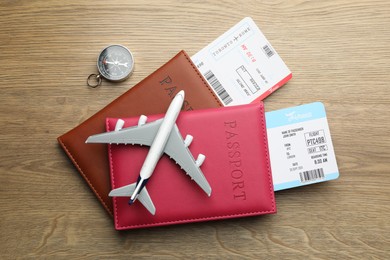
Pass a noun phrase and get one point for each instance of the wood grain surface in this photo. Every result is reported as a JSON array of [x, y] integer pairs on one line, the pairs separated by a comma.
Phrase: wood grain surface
[[338, 52]]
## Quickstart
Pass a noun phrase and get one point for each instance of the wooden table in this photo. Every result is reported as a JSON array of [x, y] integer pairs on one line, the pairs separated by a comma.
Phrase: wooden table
[[338, 52]]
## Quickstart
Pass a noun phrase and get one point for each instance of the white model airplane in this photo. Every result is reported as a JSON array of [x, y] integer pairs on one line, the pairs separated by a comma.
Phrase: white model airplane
[[162, 136]]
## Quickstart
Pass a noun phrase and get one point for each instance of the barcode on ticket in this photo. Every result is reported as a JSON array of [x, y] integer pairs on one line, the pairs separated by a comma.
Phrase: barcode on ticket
[[312, 175], [218, 88], [268, 51]]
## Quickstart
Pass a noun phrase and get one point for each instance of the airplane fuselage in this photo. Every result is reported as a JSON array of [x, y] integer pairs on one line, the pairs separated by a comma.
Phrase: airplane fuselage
[[157, 148]]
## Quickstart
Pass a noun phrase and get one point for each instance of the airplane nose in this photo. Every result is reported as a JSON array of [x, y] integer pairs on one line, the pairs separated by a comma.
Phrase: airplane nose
[[181, 93]]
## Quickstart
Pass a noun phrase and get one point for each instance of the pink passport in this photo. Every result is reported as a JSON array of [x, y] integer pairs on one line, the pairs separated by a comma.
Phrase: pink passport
[[237, 167]]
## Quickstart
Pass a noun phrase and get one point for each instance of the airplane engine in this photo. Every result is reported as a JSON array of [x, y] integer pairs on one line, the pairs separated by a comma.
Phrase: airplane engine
[[200, 160], [142, 120], [188, 140], [119, 124]]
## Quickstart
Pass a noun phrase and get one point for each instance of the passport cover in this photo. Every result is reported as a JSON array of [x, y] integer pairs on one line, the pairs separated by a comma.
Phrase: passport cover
[[150, 96], [237, 167]]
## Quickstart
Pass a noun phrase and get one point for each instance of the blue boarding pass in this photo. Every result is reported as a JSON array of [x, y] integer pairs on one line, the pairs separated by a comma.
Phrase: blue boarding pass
[[300, 146]]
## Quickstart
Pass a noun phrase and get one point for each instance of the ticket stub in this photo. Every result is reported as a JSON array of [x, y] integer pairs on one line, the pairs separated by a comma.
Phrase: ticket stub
[[241, 65], [300, 146]]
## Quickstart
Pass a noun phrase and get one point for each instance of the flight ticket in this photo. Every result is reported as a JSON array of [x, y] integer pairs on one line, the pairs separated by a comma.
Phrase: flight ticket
[[241, 65], [300, 146]]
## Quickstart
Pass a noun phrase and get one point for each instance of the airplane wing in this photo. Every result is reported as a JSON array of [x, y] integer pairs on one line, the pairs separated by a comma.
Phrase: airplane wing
[[177, 150], [142, 135], [143, 197]]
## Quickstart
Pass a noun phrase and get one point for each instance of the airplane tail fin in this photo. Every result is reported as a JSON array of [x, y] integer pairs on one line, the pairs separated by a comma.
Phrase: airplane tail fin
[[143, 197]]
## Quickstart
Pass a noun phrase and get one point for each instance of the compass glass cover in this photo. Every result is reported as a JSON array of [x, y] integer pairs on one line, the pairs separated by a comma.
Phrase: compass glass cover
[[115, 63]]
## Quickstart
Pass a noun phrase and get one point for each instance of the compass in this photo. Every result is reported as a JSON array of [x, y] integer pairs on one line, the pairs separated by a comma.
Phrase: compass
[[115, 63]]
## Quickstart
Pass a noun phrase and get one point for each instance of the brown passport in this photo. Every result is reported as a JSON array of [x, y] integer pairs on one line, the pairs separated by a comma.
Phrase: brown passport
[[150, 96]]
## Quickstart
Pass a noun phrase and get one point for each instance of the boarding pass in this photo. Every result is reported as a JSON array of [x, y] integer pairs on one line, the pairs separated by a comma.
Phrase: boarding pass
[[241, 65], [300, 146]]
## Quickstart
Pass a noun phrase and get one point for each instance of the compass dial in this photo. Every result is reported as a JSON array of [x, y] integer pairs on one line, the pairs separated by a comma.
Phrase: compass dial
[[115, 63]]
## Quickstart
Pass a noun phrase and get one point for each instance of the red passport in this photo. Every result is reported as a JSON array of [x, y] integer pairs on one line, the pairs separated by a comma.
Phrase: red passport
[[237, 166]]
